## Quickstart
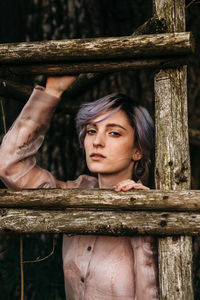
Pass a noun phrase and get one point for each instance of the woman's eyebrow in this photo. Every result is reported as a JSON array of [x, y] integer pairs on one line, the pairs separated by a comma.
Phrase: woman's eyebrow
[[107, 125], [115, 125]]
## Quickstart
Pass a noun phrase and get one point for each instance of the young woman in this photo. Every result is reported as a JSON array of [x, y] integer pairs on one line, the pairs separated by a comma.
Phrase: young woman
[[116, 136]]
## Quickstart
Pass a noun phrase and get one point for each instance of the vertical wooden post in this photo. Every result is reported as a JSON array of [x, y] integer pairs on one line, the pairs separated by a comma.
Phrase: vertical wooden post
[[172, 164]]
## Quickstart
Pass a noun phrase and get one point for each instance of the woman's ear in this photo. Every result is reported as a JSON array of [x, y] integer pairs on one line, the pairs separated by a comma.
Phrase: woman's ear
[[137, 155]]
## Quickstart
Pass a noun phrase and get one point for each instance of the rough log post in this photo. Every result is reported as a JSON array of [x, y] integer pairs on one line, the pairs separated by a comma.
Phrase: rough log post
[[154, 200], [110, 222], [98, 48], [95, 55], [71, 68], [172, 158]]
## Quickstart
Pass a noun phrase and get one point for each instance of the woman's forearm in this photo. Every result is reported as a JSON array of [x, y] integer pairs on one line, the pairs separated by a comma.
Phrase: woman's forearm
[[17, 153], [18, 167]]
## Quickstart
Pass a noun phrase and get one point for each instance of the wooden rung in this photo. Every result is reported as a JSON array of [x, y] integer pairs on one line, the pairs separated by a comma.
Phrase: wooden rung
[[79, 221], [156, 200], [100, 66], [149, 45]]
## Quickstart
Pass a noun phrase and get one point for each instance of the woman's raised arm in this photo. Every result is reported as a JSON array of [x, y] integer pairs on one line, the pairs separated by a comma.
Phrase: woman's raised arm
[[18, 167]]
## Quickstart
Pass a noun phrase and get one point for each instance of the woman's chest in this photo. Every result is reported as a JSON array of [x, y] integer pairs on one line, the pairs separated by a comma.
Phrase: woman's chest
[[101, 264]]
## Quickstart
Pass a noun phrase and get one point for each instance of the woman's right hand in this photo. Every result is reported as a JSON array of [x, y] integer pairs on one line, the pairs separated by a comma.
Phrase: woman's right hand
[[57, 85], [129, 184]]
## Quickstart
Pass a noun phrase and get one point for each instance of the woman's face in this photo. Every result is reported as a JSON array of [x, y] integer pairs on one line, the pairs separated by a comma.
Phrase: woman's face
[[109, 145]]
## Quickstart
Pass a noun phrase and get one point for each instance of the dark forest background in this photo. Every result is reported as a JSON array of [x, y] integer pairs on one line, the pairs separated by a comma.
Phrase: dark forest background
[[37, 20]]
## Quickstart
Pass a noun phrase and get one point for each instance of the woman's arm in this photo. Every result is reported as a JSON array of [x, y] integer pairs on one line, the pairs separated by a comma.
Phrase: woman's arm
[[18, 167]]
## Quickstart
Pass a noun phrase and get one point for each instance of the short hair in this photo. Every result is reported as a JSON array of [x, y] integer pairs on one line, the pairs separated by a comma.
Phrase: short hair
[[138, 117]]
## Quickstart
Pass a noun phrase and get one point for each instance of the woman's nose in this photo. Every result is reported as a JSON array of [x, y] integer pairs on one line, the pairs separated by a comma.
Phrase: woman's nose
[[99, 140]]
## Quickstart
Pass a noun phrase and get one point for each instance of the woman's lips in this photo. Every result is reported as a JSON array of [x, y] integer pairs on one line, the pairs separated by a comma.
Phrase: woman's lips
[[97, 156]]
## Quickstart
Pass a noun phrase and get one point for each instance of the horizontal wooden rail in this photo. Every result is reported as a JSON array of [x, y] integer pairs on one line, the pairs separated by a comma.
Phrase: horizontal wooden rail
[[105, 212], [156, 200], [79, 221], [100, 66], [98, 48]]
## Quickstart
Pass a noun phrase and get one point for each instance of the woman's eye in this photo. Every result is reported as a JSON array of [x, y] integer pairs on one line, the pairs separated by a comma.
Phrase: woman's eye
[[114, 133], [91, 131]]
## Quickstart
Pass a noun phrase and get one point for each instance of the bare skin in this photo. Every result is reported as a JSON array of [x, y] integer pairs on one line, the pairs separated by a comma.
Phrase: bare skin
[[55, 86]]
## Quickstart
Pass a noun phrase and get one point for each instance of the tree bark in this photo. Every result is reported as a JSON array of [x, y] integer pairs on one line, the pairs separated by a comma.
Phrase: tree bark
[[155, 200], [98, 48], [104, 66], [126, 223], [172, 169]]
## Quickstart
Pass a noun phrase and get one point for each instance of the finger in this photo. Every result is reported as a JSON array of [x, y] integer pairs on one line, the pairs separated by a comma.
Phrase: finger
[[135, 186], [126, 188], [117, 188], [129, 187], [141, 187], [125, 182]]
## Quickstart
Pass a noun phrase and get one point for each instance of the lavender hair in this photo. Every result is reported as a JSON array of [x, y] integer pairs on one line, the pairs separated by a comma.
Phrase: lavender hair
[[139, 118]]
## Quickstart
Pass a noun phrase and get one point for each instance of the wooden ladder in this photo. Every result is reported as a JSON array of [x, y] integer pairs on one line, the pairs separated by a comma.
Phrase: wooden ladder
[[172, 167]]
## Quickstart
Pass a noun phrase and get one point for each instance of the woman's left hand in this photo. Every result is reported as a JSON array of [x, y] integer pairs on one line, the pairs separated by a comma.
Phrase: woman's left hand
[[127, 185]]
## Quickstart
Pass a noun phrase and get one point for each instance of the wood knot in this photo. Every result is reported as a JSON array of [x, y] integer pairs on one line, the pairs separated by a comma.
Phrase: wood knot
[[165, 197], [163, 223], [132, 199], [175, 239], [3, 212], [180, 175], [165, 215]]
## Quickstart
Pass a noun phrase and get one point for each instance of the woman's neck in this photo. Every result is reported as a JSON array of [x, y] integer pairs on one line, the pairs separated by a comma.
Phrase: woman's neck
[[108, 181]]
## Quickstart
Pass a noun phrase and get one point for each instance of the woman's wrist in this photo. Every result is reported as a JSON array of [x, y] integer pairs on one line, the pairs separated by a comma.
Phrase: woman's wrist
[[57, 85], [53, 92]]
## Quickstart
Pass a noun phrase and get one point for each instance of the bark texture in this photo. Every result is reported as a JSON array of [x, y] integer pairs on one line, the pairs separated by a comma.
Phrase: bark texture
[[98, 48], [102, 199], [172, 170], [126, 223], [105, 66]]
